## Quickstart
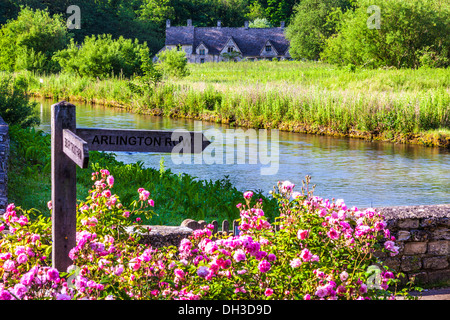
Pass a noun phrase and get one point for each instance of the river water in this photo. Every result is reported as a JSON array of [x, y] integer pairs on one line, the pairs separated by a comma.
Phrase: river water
[[362, 173]]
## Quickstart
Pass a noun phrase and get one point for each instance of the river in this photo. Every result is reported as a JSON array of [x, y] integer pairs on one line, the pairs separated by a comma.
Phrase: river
[[363, 173]]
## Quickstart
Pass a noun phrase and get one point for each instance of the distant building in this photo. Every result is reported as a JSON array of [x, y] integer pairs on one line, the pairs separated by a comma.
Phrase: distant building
[[214, 44]]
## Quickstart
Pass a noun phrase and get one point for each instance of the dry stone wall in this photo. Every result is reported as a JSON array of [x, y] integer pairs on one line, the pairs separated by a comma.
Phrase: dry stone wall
[[423, 234]]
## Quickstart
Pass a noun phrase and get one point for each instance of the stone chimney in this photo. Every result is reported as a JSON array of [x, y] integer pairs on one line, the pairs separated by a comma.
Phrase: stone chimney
[[282, 24], [246, 24], [219, 24], [189, 22], [168, 23]]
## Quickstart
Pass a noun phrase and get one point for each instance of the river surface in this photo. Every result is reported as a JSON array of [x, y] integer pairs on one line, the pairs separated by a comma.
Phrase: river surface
[[363, 173]]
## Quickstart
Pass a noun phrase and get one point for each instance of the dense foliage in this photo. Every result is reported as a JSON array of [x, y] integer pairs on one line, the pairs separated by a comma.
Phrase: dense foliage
[[173, 63], [389, 33], [30, 41], [411, 34], [313, 22], [15, 107], [145, 19], [408, 34], [103, 57]]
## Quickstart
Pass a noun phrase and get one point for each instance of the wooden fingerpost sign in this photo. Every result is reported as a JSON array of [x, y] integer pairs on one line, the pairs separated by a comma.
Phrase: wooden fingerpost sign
[[70, 147], [64, 192]]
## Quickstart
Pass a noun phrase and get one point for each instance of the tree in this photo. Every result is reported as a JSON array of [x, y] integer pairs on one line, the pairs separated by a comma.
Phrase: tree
[[30, 41], [156, 10], [313, 22], [259, 23], [411, 33], [255, 11], [278, 10]]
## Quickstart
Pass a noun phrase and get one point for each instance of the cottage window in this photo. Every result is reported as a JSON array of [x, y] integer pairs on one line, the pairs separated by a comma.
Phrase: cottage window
[[202, 52], [230, 49], [202, 60], [268, 48]]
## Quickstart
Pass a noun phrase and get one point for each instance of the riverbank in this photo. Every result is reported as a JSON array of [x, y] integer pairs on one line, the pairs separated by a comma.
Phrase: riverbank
[[400, 106]]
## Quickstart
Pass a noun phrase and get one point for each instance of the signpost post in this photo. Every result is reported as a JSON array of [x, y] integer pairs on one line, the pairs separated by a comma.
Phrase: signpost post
[[70, 147]]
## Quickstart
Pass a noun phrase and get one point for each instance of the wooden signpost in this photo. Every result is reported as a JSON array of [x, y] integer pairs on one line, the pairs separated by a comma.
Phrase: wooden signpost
[[70, 147]]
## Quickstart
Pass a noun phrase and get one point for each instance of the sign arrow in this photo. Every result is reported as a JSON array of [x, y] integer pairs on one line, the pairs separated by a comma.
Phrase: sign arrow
[[181, 141], [75, 148]]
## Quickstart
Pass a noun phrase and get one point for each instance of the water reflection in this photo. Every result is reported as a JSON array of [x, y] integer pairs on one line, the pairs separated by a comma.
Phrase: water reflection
[[362, 173]]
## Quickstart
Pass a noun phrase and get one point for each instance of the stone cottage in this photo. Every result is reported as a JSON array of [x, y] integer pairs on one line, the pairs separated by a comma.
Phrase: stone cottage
[[214, 44]]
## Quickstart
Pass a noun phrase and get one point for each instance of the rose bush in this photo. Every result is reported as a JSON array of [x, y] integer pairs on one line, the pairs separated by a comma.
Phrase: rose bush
[[316, 249]]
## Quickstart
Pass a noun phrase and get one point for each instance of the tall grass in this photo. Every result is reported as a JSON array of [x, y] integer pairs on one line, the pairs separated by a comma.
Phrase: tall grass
[[397, 105]]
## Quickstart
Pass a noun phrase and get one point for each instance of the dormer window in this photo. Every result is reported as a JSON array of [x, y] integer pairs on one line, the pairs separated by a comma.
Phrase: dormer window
[[268, 48], [201, 52], [230, 49]]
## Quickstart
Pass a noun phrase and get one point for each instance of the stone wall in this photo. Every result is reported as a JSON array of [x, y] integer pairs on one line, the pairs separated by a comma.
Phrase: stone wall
[[423, 234], [4, 156]]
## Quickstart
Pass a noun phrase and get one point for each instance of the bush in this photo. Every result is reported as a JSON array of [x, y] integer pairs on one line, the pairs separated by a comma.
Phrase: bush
[[29, 42], [172, 63], [323, 250], [15, 108], [102, 56], [411, 33], [313, 22]]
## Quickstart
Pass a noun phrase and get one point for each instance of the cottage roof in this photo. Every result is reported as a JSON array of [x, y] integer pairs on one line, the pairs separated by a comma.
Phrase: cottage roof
[[249, 40]]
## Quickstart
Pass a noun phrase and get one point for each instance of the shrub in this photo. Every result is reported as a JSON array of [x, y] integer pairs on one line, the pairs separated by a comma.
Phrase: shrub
[[102, 56], [173, 63], [323, 250], [15, 108], [29, 42]]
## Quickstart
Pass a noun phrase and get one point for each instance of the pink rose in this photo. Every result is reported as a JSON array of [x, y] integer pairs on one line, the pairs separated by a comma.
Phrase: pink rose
[[239, 255], [110, 180], [9, 265], [52, 274], [302, 234], [295, 263], [22, 258], [287, 186], [264, 266], [306, 255], [333, 234], [268, 292], [248, 194]]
